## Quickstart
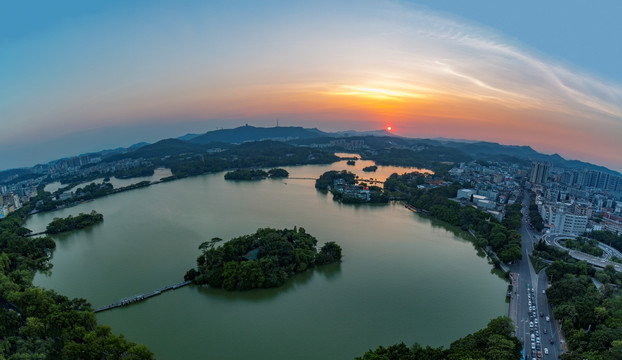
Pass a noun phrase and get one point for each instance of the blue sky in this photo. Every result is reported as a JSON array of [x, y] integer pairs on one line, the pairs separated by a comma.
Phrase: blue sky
[[81, 76], [582, 34]]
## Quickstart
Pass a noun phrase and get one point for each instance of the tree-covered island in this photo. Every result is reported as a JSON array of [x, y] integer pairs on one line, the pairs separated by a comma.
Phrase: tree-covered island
[[343, 185], [370, 168], [256, 174], [267, 258], [59, 225]]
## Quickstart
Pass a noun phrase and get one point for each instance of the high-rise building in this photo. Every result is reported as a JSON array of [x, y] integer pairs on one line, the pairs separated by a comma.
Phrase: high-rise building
[[539, 172]]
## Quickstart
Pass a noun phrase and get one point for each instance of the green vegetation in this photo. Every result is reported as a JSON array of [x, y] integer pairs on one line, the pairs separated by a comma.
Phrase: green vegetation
[[513, 216], [328, 178], [495, 342], [503, 239], [591, 318], [267, 258], [588, 246], [425, 156], [59, 225], [41, 324], [551, 253], [138, 171], [256, 174], [246, 174], [277, 173], [342, 184], [93, 191], [534, 216], [607, 237], [371, 168], [89, 192], [259, 154]]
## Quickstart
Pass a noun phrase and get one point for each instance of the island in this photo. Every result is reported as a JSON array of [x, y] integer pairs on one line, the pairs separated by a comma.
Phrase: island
[[278, 173], [371, 168], [256, 174], [59, 225], [351, 162], [267, 258], [343, 185]]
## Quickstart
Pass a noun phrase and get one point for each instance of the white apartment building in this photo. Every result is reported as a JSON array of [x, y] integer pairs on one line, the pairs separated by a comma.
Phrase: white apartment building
[[563, 219]]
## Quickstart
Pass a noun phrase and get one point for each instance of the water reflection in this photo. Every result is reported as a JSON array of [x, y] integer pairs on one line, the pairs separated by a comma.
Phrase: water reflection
[[331, 272]]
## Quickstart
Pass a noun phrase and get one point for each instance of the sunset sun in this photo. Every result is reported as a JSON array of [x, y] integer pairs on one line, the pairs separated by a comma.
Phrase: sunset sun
[[389, 128]]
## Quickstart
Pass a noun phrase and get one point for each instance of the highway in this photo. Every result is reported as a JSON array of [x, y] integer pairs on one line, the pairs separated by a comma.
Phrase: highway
[[553, 240], [529, 301]]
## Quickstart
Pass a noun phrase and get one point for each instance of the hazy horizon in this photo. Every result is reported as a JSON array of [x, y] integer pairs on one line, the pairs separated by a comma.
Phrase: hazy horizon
[[153, 138], [83, 77]]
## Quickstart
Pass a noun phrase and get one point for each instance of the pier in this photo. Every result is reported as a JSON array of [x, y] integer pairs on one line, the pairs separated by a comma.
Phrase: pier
[[141, 297]]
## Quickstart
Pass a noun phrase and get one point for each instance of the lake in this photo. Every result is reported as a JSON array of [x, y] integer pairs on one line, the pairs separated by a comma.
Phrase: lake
[[402, 278]]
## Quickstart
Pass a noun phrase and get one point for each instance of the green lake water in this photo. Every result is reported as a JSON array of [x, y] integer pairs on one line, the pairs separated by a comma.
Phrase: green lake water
[[402, 278]]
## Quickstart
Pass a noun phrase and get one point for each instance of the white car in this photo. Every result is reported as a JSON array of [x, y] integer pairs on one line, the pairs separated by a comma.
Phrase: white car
[[531, 324]]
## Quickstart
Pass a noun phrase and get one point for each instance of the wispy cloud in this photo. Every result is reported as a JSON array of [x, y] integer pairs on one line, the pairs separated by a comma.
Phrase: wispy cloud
[[365, 61]]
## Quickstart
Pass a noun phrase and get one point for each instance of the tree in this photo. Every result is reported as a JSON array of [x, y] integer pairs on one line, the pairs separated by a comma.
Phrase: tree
[[330, 252], [266, 258]]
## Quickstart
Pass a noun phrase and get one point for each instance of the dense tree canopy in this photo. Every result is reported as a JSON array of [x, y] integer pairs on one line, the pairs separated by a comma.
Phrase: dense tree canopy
[[266, 258], [328, 179], [69, 223], [495, 342], [278, 173], [246, 174]]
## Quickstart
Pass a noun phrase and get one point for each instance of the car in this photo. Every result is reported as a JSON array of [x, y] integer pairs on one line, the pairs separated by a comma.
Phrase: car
[[533, 346], [541, 314], [531, 324], [535, 322], [537, 340], [544, 292], [551, 340], [546, 351], [544, 331]]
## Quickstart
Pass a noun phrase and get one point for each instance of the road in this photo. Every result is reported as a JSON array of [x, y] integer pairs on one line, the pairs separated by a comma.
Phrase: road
[[553, 240], [529, 290]]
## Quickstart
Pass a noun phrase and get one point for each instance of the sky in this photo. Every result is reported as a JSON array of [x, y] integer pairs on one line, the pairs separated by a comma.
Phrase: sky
[[82, 76]]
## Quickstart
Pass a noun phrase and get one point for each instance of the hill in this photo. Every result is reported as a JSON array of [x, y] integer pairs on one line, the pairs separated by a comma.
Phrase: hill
[[251, 133]]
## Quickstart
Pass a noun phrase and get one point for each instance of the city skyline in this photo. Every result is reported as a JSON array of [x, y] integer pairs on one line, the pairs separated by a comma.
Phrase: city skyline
[[82, 78]]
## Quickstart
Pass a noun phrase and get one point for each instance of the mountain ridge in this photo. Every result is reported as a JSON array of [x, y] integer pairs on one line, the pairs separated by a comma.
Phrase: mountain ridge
[[225, 138]]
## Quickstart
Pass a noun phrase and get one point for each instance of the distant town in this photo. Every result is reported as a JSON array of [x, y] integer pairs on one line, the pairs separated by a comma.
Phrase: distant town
[[570, 201]]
